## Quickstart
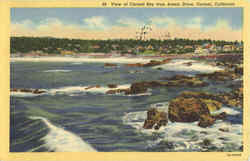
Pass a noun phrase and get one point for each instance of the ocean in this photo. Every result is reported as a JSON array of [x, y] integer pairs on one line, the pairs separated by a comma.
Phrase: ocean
[[68, 117]]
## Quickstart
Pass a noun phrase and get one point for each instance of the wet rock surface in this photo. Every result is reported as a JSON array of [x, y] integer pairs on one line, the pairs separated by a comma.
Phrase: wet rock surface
[[151, 63], [155, 119], [110, 65], [25, 90]]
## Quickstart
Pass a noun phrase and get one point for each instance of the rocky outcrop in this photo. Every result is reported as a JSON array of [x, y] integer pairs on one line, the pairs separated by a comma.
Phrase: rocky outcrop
[[152, 63], [219, 75], [176, 81], [118, 91], [195, 106], [112, 85], [110, 65], [234, 98], [26, 90], [223, 75], [94, 86], [155, 119]]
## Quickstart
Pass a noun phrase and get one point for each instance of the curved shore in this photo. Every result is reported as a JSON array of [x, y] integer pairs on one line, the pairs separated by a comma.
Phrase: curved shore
[[82, 59]]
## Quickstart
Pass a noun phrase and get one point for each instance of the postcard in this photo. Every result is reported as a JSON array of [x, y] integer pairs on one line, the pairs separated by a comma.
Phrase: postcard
[[124, 80]]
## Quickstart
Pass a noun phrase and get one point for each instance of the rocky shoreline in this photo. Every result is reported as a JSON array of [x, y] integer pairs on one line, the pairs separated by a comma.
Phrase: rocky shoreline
[[189, 106]]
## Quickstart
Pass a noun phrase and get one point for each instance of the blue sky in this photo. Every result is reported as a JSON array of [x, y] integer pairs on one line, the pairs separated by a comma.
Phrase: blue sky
[[76, 15], [104, 18]]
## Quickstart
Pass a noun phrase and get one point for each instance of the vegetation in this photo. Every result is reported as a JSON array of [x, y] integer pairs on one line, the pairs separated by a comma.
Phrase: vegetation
[[50, 45]]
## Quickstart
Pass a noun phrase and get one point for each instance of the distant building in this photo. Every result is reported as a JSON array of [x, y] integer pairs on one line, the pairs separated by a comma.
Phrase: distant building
[[66, 52], [229, 48], [150, 47], [188, 47], [200, 50], [96, 47]]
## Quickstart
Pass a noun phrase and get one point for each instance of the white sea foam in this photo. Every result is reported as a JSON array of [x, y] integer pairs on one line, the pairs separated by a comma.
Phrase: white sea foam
[[85, 89], [82, 59], [183, 65], [76, 90], [79, 90], [189, 136], [60, 140], [56, 70], [77, 63]]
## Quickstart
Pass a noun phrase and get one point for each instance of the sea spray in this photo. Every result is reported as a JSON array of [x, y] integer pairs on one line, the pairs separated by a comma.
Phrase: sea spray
[[189, 136], [79, 90], [60, 140], [189, 66]]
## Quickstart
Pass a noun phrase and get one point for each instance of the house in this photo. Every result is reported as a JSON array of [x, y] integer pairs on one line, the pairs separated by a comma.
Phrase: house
[[150, 47], [188, 47], [66, 52], [200, 50], [96, 47], [229, 48]]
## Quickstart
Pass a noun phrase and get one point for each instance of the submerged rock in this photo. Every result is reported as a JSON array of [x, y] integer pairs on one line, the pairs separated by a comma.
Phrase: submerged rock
[[156, 119]]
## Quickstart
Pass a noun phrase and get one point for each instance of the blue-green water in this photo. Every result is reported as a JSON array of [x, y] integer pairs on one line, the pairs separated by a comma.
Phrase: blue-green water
[[67, 117]]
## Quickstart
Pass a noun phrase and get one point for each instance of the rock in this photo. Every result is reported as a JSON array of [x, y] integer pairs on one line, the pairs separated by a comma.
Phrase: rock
[[37, 91], [223, 75], [118, 91], [149, 64], [134, 65], [234, 98], [182, 80], [95, 86], [206, 121], [166, 61], [34, 91], [112, 85], [186, 109], [188, 64], [155, 117], [152, 63], [110, 65], [206, 142], [238, 70], [195, 106], [14, 90], [137, 88], [159, 68], [212, 105], [26, 90], [221, 116], [224, 129]]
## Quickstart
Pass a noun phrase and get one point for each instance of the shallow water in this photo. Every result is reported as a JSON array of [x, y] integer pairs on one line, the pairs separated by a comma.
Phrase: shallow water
[[69, 117]]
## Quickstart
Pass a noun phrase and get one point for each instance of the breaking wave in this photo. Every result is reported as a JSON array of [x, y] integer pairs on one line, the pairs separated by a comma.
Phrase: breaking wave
[[189, 66], [60, 140], [78, 90], [25, 94], [56, 70], [189, 136]]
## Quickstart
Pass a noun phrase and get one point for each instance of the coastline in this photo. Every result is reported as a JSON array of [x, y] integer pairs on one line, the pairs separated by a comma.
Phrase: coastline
[[81, 59], [116, 59]]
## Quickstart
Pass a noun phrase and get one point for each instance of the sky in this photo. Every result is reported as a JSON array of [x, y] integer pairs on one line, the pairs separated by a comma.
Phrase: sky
[[124, 23]]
